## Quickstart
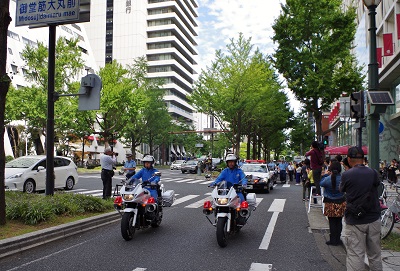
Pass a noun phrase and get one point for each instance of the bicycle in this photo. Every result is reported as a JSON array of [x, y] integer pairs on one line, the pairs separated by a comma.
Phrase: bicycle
[[390, 210]]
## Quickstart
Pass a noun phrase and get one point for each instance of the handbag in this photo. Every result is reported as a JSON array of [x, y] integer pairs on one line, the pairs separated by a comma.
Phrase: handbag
[[397, 171]]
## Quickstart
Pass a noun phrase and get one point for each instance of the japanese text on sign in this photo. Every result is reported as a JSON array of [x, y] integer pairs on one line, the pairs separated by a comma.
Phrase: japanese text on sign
[[31, 12]]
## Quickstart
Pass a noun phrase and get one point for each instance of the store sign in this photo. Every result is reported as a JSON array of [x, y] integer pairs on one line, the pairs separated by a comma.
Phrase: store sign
[[44, 12]]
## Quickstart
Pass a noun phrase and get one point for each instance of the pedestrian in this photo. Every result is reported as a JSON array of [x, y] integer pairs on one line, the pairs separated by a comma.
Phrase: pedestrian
[[334, 201], [298, 173], [362, 231], [304, 179], [316, 163], [129, 165], [107, 163], [346, 164], [392, 176], [282, 171], [290, 170]]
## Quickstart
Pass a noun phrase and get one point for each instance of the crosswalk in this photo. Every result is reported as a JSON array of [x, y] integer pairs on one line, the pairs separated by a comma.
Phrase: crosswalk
[[169, 179]]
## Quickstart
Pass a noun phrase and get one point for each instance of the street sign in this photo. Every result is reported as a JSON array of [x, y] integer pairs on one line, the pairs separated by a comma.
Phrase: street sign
[[381, 127], [199, 145], [89, 92], [40, 13]]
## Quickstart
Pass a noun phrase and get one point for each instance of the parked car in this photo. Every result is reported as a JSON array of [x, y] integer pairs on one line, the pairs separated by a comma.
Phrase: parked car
[[28, 173], [190, 166], [177, 164], [261, 177]]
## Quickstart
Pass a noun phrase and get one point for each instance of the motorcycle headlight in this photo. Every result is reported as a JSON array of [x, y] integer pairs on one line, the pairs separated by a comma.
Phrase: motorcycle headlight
[[127, 197], [223, 201]]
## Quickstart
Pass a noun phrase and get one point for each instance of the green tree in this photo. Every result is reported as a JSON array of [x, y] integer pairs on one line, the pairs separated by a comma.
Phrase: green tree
[[5, 82], [30, 103], [301, 134], [314, 53], [233, 87]]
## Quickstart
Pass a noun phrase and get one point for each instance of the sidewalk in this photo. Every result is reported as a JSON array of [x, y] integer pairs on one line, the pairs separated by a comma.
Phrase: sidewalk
[[336, 255]]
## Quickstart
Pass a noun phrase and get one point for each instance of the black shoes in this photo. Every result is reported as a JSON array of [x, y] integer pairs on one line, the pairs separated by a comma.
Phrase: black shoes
[[329, 243]]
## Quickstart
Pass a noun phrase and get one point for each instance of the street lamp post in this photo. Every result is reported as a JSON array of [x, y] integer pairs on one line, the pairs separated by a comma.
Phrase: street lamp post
[[373, 85]]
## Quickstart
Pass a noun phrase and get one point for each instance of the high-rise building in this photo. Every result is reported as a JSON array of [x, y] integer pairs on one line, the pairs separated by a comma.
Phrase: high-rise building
[[162, 30]]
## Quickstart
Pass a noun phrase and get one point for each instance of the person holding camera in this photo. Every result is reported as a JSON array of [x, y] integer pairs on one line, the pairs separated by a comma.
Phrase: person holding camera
[[107, 162], [316, 163]]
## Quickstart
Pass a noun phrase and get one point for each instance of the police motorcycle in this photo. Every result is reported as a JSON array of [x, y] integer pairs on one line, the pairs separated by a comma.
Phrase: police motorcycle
[[138, 209], [230, 215]]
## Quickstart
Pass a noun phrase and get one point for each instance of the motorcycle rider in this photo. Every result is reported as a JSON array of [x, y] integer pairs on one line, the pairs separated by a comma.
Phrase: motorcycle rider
[[232, 174], [130, 165], [147, 173]]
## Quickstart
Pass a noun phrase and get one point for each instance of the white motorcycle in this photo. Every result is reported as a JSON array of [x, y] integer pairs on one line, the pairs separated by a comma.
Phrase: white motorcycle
[[230, 215], [138, 208]]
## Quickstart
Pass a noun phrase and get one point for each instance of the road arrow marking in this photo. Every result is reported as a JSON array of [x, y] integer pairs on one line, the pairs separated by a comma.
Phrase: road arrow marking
[[276, 207]]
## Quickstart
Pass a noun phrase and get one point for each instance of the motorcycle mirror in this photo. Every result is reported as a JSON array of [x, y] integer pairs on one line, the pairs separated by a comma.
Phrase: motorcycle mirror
[[249, 177], [157, 174]]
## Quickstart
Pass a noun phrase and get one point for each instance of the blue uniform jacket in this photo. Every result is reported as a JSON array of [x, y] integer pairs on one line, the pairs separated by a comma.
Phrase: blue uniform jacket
[[232, 176], [146, 174], [329, 192]]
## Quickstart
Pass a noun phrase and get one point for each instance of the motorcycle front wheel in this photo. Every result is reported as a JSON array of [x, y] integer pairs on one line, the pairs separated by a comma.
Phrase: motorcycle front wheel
[[127, 227], [221, 231], [387, 222]]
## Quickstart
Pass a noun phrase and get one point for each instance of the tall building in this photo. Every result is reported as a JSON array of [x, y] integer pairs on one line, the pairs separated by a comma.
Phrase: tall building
[[388, 55], [162, 30]]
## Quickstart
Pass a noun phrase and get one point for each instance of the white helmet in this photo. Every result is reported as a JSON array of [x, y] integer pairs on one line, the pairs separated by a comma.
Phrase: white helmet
[[148, 158], [128, 153], [231, 157]]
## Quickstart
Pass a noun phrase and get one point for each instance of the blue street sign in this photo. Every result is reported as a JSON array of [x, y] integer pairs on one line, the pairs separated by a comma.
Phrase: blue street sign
[[381, 127]]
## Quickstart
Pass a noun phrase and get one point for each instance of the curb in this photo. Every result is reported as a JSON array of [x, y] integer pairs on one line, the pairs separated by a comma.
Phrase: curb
[[27, 241]]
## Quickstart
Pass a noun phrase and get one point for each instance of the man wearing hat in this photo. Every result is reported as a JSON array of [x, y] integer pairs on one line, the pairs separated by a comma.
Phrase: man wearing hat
[[362, 232], [130, 165], [107, 162]]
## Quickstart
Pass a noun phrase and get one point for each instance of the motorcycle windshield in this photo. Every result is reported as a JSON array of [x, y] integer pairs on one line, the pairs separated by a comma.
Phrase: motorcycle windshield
[[223, 188], [135, 183]]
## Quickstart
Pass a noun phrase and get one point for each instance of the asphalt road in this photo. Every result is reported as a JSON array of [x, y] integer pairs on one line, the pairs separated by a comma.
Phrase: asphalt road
[[186, 240]]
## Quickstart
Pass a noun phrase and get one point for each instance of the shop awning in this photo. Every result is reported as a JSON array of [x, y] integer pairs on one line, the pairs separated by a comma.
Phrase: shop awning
[[342, 150]]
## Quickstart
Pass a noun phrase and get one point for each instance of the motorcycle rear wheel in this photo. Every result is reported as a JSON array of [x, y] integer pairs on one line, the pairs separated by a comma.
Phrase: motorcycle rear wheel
[[387, 222], [127, 227], [158, 220], [221, 231]]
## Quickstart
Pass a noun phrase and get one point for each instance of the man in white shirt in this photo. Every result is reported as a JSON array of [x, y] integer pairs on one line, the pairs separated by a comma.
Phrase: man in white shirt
[[107, 162]]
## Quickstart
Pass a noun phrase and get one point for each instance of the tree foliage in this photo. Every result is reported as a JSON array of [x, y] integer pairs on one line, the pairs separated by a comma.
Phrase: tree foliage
[[242, 92], [301, 134], [314, 52]]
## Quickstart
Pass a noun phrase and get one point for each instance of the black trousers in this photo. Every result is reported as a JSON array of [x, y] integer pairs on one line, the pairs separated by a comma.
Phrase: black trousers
[[106, 177], [335, 228]]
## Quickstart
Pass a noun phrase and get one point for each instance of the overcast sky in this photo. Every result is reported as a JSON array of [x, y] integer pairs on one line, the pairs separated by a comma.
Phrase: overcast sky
[[222, 20]]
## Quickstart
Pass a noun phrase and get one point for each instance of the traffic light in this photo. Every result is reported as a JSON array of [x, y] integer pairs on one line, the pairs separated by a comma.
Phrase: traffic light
[[326, 140], [357, 105]]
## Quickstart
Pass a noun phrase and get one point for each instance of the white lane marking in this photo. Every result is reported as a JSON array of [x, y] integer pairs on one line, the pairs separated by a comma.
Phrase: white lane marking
[[196, 181], [139, 269], [276, 207], [286, 185], [75, 190], [275, 185], [184, 180], [198, 204], [260, 267], [183, 199], [47, 256], [207, 182], [89, 192], [258, 200], [209, 193], [88, 176]]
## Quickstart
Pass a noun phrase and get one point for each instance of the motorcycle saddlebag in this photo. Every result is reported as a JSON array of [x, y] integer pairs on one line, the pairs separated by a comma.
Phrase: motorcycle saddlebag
[[251, 199], [168, 198]]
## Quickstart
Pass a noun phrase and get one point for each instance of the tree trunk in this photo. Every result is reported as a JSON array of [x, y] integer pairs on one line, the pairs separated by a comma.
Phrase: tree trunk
[[318, 124], [254, 154], [248, 147], [5, 82]]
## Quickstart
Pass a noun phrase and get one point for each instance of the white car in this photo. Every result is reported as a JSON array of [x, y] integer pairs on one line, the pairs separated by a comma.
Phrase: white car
[[261, 177], [28, 173], [177, 164]]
